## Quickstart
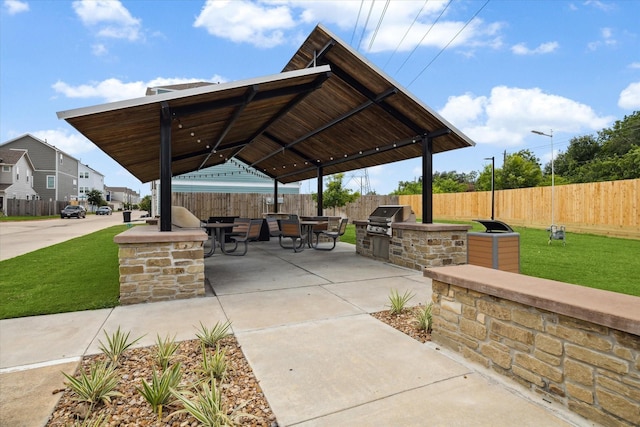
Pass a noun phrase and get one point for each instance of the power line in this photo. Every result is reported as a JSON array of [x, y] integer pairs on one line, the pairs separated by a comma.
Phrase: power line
[[357, 20], [366, 23], [405, 34], [375, 32], [425, 35], [450, 41]]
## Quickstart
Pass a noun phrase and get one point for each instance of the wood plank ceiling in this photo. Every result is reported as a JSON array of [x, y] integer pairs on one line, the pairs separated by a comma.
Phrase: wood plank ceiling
[[329, 108]]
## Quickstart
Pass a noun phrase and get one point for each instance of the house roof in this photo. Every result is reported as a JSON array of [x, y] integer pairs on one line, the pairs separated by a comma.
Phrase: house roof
[[11, 156], [329, 108]]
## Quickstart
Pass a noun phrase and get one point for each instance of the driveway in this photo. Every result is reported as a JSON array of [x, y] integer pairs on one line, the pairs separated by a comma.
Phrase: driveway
[[20, 237]]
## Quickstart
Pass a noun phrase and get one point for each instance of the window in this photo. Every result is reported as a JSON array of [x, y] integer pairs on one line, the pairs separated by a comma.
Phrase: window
[[6, 168], [17, 173], [61, 158], [86, 175], [51, 181]]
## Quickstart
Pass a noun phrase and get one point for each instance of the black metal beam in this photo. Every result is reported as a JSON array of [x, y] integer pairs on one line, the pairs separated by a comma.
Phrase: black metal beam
[[319, 56], [427, 180], [332, 123], [275, 195], [165, 167], [248, 96]]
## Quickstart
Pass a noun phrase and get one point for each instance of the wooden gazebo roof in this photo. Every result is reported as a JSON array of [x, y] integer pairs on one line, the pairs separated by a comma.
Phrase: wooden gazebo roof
[[328, 109]]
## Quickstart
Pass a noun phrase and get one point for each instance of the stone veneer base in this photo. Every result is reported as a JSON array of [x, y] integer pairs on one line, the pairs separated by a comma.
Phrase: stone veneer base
[[571, 344], [160, 266], [416, 246]]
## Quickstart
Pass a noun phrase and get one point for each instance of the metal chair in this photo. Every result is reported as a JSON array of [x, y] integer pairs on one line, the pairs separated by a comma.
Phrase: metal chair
[[290, 228], [332, 235], [252, 234], [274, 227]]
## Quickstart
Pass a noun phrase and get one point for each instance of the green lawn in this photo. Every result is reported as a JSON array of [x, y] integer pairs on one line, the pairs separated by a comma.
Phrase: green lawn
[[82, 274], [596, 261]]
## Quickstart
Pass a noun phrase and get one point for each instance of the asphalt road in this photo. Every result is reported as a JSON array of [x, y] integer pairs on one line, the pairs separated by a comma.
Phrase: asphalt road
[[20, 237]]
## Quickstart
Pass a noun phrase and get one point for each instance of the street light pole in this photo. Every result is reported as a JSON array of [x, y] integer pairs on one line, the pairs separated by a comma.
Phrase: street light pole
[[493, 171], [550, 135]]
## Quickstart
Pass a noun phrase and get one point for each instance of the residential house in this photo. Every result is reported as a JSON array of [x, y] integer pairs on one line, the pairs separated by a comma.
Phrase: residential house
[[55, 175], [16, 176], [119, 197], [89, 179]]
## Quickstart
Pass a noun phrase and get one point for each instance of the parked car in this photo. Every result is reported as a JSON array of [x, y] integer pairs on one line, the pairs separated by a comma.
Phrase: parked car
[[71, 211], [104, 210]]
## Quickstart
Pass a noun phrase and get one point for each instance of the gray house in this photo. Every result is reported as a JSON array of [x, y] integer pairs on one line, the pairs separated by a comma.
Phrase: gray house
[[16, 176], [55, 175]]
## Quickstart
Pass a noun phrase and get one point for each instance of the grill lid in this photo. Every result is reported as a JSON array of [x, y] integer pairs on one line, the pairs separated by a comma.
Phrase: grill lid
[[385, 211], [494, 226]]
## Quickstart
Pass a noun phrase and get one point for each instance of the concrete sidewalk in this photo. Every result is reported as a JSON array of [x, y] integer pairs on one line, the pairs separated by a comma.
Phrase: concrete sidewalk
[[302, 321]]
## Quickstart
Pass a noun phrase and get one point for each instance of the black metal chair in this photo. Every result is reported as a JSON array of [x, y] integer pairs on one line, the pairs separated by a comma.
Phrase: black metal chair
[[290, 228], [251, 234], [332, 234]]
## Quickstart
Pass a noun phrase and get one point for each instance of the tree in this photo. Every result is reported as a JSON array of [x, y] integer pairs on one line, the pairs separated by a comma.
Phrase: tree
[[94, 197], [520, 170], [335, 194], [145, 204], [408, 187]]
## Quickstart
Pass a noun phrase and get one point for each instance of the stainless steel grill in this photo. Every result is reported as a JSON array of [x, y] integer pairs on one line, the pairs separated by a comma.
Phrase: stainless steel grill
[[381, 219]]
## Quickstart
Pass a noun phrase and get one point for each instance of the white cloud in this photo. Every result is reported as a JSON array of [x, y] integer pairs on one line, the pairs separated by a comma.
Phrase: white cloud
[[113, 89], [630, 97], [99, 49], [522, 49], [635, 65], [242, 21], [606, 39], [268, 24], [71, 143], [109, 17], [508, 114], [14, 7]]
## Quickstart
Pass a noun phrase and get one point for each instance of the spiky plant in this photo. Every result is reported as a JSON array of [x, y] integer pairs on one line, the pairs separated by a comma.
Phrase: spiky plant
[[205, 405], [211, 336], [165, 350], [399, 302], [424, 318], [214, 366], [158, 392], [117, 343], [96, 386]]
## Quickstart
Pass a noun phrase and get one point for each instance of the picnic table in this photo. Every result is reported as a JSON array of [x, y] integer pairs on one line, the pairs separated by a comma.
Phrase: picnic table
[[311, 226], [218, 234]]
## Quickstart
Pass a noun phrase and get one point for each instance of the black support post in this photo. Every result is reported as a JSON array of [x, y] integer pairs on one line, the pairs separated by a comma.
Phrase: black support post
[[320, 179], [427, 180], [165, 168], [275, 196]]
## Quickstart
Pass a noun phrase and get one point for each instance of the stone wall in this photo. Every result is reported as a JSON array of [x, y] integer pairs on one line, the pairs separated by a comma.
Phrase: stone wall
[[416, 246], [573, 345], [160, 266]]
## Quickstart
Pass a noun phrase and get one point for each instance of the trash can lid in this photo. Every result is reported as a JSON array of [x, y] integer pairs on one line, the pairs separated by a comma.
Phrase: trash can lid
[[494, 226]]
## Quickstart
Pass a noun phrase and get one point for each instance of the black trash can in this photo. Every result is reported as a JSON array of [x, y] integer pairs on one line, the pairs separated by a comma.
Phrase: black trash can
[[127, 216]]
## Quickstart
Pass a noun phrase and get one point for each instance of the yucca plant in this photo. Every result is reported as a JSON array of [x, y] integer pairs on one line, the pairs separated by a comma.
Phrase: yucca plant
[[214, 366], [158, 392], [399, 302], [211, 336], [424, 317], [117, 343], [96, 386], [205, 405], [165, 350], [98, 421]]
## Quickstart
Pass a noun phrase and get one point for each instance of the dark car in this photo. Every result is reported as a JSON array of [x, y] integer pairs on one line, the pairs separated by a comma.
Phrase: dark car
[[72, 211], [104, 210]]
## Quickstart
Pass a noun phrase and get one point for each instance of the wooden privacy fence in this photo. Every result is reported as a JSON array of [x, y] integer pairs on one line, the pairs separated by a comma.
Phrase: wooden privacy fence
[[598, 207], [253, 205], [21, 207]]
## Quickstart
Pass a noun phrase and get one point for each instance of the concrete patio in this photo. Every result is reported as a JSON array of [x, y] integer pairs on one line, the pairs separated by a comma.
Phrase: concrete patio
[[303, 323]]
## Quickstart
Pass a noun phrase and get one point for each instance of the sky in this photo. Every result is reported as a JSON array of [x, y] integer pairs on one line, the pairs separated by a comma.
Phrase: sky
[[495, 69]]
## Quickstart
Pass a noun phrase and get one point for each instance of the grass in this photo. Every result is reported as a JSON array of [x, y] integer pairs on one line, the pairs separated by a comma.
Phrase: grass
[[82, 273], [79, 274], [595, 261]]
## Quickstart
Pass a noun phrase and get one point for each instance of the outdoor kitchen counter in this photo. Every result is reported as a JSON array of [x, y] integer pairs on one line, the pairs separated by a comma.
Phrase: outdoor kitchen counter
[[416, 245]]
